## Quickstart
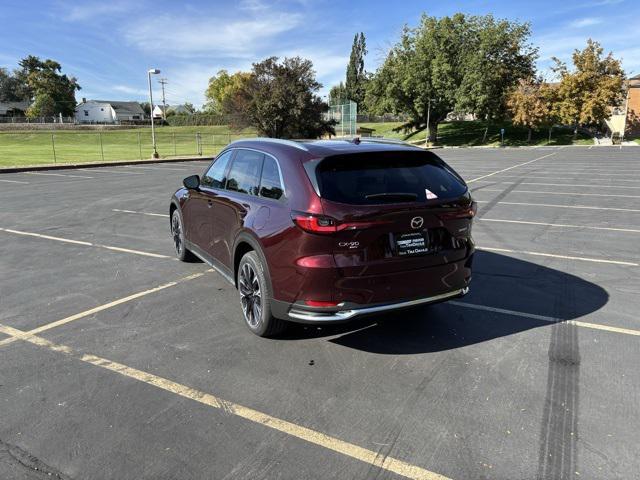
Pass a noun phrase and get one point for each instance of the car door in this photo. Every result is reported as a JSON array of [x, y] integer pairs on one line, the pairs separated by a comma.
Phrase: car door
[[198, 210], [234, 205]]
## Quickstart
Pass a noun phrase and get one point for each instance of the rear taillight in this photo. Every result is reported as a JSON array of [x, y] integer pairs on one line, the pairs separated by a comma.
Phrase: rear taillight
[[324, 224], [467, 212], [315, 223]]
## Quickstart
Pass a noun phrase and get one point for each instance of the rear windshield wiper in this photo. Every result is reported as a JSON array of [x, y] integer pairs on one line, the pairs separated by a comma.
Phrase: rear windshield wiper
[[393, 196]]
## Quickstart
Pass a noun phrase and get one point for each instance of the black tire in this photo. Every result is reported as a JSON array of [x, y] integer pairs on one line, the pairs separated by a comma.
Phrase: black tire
[[255, 297], [177, 234]]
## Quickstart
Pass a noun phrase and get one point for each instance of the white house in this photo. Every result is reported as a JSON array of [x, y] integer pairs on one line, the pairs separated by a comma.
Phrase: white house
[[107, 111], [177, 109]]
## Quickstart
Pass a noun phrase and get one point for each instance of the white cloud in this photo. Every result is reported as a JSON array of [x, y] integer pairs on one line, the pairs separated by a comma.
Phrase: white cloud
[[585, 22], [214, 37], [90, 10], [130, 90]]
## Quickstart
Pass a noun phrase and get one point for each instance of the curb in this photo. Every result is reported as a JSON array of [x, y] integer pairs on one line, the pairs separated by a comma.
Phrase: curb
[[73, 166]]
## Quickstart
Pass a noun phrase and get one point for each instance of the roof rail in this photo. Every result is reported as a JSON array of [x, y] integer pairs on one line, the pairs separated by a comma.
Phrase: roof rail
[[280, 141], [392, 141]]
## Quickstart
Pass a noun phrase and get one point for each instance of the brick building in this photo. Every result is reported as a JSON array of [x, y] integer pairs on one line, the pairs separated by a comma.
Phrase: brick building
[[633, 107]]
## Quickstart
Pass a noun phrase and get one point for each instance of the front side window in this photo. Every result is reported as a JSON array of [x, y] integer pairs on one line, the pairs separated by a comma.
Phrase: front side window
[[244, 176], [214, 177], [270, 185]]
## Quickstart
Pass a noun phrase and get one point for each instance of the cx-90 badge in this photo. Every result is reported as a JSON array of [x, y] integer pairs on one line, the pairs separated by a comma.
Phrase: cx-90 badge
[[417, 222]]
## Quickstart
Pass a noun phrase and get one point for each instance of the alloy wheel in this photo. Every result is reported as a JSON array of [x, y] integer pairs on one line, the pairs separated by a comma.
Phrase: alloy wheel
[[250, 295], [176, 230]]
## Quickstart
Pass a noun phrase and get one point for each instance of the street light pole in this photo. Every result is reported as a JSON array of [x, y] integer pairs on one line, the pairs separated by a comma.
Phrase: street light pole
[[152, 71]]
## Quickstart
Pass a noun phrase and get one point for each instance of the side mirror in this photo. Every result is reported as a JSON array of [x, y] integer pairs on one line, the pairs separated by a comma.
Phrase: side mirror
[[192, 182]]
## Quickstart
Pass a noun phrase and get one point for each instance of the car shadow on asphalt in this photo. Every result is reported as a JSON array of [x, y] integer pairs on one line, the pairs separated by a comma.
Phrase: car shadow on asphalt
[[498, 281]]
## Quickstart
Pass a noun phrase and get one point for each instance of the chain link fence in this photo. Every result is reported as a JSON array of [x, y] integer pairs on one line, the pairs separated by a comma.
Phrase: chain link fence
[[31, 148], [345, 115]]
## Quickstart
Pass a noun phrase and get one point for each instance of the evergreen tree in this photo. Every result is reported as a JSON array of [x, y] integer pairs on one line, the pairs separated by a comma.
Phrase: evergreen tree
[[356, 75]]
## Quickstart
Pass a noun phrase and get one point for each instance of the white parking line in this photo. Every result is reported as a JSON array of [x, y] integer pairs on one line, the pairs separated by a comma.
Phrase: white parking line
[[564, 257], [562, 225], [156, 168], [56, 175], [582, 173], [14, 181], [87, 244], [584, 207], [512, 167], [560, 193], [544, 318], [551, 177], [102, 170], [141, 213], [564, 185]]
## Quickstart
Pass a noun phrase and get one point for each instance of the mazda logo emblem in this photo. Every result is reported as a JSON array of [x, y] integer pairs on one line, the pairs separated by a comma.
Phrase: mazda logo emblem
[[417, 222]]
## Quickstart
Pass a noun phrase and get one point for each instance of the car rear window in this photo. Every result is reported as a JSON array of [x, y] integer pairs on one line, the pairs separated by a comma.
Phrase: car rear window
[[387, 177]]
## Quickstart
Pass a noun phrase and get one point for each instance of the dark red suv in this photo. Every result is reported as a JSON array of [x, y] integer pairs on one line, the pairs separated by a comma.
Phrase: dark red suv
[[325, 231]]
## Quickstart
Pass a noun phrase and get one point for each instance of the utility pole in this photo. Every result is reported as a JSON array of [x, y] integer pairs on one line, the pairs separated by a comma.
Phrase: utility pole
[[163, 82]]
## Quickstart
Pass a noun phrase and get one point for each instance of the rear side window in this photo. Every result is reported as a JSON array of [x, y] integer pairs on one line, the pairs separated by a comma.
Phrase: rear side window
[[387, 177], [215, 175], [244, 176], [270, 185]]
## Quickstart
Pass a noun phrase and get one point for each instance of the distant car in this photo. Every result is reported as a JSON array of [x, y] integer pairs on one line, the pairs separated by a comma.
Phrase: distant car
[[326, 231]]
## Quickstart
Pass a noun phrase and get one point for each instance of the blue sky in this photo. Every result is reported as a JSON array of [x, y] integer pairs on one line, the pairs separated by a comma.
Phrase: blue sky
[[109, 44]]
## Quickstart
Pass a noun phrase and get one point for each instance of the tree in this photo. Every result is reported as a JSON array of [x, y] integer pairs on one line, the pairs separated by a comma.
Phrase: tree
[[587, 93], [280, 100], [190, 108], [461, 63], [533, 104], [355, 85], [222, 90], [11, 89], [44, 105], [53, 92], [146, 107], [338, 94]]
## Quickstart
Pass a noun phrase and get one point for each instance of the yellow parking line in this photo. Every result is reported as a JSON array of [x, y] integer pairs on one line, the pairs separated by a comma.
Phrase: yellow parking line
[[544, 318], [553, 255], [106, 306], [315, 437], [87, 244]]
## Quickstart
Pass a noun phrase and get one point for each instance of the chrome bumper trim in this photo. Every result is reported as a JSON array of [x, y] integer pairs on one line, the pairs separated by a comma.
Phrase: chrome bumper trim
[[347, 314]]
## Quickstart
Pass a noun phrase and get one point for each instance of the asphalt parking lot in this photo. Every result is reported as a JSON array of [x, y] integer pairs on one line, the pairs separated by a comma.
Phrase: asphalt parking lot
[[119, 362]]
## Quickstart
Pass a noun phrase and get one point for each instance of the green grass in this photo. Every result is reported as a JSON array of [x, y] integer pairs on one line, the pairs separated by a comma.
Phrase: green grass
[[470, 133], [35, 147], [75, 146]]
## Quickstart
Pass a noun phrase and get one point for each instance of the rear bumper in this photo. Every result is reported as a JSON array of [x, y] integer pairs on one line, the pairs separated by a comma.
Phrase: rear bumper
[[347, 312]]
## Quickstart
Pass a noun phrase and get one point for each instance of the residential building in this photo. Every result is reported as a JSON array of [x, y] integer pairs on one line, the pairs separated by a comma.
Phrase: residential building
[[108, 111], [13, 109]]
